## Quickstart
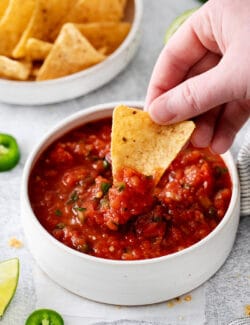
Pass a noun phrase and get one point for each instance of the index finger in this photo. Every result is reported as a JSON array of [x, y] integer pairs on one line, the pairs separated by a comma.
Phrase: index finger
[[182, 51]]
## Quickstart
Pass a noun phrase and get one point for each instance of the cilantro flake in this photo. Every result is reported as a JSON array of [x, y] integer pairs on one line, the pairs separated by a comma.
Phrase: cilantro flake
[[58, 212], [105, 187]]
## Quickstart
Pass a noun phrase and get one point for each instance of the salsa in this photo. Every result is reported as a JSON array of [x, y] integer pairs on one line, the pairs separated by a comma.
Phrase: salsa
[[73, 195]]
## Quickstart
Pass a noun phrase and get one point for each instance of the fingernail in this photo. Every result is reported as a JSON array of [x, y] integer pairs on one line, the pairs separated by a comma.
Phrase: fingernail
[[220, 145], [160, 112], [217, 150]]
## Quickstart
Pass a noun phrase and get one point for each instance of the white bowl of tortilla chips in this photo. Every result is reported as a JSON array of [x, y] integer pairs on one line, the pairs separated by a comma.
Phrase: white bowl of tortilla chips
[[51, 51], [135, 282]]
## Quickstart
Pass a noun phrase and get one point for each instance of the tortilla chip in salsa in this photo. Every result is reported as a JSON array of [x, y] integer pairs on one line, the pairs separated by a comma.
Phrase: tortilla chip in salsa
[[139, 143], [72, 194]]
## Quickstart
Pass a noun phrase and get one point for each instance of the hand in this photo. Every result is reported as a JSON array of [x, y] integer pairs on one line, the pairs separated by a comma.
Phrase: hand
[[204, 73]]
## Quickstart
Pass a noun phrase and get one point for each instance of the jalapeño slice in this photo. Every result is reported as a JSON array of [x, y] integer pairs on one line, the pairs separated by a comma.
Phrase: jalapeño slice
[[44, 317], [9, 152]]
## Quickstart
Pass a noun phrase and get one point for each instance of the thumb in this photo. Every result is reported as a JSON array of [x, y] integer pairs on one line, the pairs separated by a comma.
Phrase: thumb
[[195, 96]]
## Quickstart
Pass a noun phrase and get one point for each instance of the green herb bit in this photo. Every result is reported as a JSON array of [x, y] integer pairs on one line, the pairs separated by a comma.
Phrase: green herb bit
[[60, 225], [105, 187], [106, 164], [157, 219], [77, 209], [121, 186], [84, 248], [221, 170], [73, 198], [80, 209], [58, 212]]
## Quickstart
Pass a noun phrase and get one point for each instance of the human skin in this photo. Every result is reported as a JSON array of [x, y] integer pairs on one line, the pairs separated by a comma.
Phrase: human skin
[[203, 73]]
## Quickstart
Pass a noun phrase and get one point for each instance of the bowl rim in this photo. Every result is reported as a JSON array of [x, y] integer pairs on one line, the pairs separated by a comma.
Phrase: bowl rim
[[135, 26], [227, 157]]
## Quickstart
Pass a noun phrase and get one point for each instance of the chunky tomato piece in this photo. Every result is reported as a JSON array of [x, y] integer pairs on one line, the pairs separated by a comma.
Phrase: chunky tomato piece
[[73, 195], [131, 195]]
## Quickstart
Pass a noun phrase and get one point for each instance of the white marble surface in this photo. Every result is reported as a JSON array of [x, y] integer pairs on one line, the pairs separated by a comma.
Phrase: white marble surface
[[228, 291]]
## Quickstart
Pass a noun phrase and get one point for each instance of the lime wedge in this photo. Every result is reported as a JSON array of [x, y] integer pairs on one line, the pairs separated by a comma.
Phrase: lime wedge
[[9, 273], [178, 22]]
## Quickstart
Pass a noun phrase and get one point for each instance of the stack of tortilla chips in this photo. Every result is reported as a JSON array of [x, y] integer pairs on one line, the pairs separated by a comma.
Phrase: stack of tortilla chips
[[41, 39]]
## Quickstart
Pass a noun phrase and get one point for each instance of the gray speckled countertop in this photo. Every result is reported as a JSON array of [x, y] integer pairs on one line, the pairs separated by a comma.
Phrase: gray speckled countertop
[[228, 291]]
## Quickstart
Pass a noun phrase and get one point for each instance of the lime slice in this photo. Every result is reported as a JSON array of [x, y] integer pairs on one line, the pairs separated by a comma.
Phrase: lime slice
[[178, 22], [9, 273]]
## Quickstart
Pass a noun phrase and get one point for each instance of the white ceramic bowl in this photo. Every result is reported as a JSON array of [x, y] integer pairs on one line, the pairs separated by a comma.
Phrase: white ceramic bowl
[[81, 83], [126, 282]]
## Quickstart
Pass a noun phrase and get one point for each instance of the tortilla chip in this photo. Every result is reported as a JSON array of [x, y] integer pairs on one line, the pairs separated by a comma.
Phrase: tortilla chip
[[139, 143], [85, 11], [3, 6], [13, 23], [123, 3], [105, 34], [12, 69], [71, 53], [37, 50], [35, 70], [103, 50], [95, 11], [46, 16]]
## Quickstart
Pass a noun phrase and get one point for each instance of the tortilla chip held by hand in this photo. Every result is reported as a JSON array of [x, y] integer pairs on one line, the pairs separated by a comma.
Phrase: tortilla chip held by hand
[[71, 53], [139, 143]]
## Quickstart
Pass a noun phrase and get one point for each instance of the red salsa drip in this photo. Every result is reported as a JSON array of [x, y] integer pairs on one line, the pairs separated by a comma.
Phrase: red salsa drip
[[72, 194]]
